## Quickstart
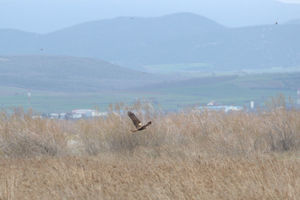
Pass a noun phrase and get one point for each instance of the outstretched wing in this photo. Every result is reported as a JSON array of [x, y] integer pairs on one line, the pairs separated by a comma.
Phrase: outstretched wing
[[148, 124], [137, 123]]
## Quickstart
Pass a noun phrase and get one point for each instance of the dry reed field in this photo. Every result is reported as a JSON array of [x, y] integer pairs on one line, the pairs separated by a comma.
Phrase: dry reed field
[[186, 155]]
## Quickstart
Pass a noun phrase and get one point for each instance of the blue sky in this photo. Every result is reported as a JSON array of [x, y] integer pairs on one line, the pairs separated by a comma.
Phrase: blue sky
[[49, 15]]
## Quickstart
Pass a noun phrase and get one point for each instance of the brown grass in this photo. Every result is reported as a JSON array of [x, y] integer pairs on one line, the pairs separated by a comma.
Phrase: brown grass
[[188, 155]]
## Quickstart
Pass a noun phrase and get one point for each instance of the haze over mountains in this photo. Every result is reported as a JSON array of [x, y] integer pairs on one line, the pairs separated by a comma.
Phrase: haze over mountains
[[68, 74], [43, 17], [177, 38]]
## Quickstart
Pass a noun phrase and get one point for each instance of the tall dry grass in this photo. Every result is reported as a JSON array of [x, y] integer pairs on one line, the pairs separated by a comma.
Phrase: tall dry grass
[[187, 155], [182, 135], [135, 178]]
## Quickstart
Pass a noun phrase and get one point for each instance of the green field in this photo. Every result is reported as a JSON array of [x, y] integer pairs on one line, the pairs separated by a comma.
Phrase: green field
[[235, 90], [206, 69]]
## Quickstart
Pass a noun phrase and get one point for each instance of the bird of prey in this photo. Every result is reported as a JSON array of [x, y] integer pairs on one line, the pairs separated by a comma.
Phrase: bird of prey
[[137, 123]]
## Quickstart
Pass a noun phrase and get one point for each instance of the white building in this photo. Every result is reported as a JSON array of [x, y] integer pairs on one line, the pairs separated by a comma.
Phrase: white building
[[79, 113], [252, 105], [221, 108], [53, 116]]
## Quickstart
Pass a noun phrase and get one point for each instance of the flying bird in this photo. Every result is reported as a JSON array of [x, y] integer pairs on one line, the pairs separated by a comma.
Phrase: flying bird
[[137, 123]]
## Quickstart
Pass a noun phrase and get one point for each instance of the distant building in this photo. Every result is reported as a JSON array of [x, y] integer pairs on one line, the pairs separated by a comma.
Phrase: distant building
[[37, 117], [77, 116], [221, 108], [62, 115], [53, 116], [74, 114], [87, 113], [251, 105], [212, 103]]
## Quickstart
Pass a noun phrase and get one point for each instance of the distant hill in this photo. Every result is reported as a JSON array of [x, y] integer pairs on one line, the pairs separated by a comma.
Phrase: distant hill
[[276, 81], [14, 42], [61, 73], [233, 89], [171, 39]]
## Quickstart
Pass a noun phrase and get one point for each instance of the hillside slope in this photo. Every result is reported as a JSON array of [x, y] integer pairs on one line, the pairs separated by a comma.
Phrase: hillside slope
[[61, 73]]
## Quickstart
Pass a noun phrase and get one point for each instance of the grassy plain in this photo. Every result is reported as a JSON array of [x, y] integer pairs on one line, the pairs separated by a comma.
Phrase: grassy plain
[[173, 95], [187, 155]]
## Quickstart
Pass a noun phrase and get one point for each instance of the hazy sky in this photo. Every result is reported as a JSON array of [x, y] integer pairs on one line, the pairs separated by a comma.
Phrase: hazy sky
[[49, 15]]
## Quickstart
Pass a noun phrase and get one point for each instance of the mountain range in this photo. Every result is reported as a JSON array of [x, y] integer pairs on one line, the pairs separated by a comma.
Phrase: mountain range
[[178, 38]]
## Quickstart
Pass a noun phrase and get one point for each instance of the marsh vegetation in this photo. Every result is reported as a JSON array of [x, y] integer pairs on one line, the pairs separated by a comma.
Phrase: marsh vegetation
[[186, 155]]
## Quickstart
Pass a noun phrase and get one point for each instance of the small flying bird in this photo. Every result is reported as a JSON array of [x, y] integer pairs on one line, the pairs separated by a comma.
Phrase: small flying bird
[[276, 23], [137, 123]]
